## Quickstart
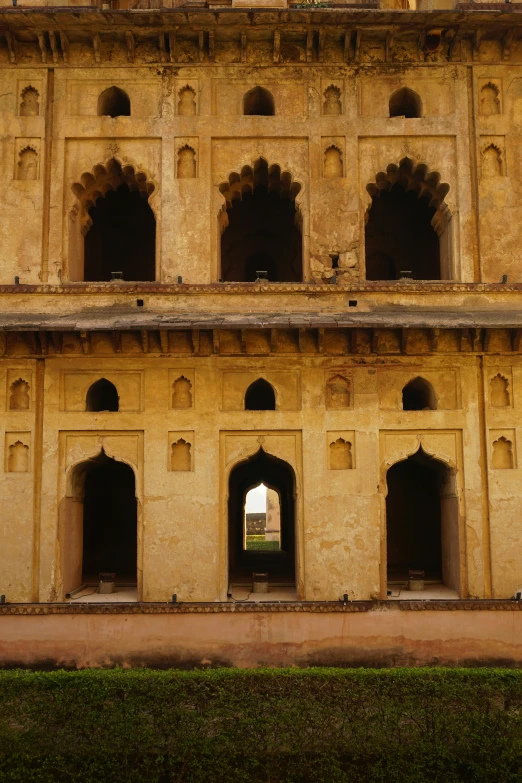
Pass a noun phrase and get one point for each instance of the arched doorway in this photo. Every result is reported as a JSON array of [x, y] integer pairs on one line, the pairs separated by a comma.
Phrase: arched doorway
[[112, 231], [100, 525], [422, 522], [243, 560], [408, 225], [261, 229]]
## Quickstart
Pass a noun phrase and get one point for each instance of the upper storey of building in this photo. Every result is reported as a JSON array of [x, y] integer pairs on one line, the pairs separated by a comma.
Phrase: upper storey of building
[[206, 149]]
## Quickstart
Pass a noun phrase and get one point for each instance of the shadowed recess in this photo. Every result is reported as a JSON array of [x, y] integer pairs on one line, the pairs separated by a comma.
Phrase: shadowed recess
[[122, 237], [259, 101], [110, 521], [422, 521], [114, 102], [418, 395], [261, 226], [405, 103], [102, 396], [260, 396]]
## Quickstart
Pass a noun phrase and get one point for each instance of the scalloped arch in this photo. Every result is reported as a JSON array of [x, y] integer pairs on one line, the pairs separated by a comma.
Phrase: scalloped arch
[[96, 183], [411, 176]]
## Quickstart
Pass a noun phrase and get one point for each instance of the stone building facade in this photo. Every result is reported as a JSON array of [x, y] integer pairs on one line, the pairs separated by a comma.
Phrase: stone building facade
[[247, 244]]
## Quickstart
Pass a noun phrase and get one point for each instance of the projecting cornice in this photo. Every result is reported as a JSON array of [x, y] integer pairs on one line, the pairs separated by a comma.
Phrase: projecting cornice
[[438, 36]]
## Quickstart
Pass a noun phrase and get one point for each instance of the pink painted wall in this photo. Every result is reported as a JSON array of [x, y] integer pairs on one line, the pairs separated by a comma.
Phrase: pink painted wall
[[384, 635]]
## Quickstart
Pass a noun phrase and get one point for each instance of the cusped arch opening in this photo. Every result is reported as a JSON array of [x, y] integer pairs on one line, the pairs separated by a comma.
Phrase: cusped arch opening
[[113, 227], [405, 103], [259, 101], [260, 396], [422, 527], [102, 396], [261, 225], [419, 395], [114, 102], [408, 225]]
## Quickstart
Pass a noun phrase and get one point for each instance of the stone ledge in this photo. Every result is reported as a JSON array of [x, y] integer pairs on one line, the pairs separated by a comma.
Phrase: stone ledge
[[310, 607]]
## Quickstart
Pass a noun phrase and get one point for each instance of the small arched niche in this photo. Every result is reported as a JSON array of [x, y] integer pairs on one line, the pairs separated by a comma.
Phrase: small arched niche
[[332, 101], [180, 455], [499, 391], [338, 392], [259, 101], [186, 163], [29, 105], [341, 454], [27, 164], [19, 399], [187, 101], [18, 459], [114, 102], [489, 99], [260, 396], [418, 395], [405, 103], [182, 393], [502, 457], [102, 396], [333, 162], [491, 161]]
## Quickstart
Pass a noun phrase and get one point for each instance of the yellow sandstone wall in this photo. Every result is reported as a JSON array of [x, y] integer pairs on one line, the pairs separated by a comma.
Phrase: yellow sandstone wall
[[469, 133], [182, 514], [476, 154]]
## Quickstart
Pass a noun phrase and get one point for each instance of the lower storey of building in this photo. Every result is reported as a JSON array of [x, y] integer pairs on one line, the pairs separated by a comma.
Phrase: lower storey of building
[[255, 479]]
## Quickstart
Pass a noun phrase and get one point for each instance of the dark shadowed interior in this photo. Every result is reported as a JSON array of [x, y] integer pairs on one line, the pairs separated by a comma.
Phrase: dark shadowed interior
[[399, 237], [122, 238], [262, 236], [110, 522]]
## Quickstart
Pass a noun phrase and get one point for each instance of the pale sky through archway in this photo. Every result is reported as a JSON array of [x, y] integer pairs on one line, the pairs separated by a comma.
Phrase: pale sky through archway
[[256, 500]]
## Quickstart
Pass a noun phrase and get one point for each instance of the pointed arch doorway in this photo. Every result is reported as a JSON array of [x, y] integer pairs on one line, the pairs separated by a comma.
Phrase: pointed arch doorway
[[422, 522], [100, 524], [279, 562]]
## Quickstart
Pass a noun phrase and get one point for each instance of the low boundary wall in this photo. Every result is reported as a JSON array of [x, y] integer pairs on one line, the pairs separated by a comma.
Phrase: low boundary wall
[[365, 633]]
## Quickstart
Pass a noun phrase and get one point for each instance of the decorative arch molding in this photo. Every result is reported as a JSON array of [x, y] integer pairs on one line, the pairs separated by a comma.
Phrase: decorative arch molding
[[76, 477], [90, 450], [419, 441], [259, 174], [417, 178], [87, 447], [241, 447], [104, 177], [411, 176]]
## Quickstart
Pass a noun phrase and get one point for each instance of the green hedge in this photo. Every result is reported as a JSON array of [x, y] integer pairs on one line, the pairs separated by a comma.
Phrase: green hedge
[[262, 726]]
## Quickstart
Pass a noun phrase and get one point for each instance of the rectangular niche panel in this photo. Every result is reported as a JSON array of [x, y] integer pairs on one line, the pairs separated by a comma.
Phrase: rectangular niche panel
[[503, 449], [75, 386], [181, 451], [181, 388], [341, 450], [17, 457]]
